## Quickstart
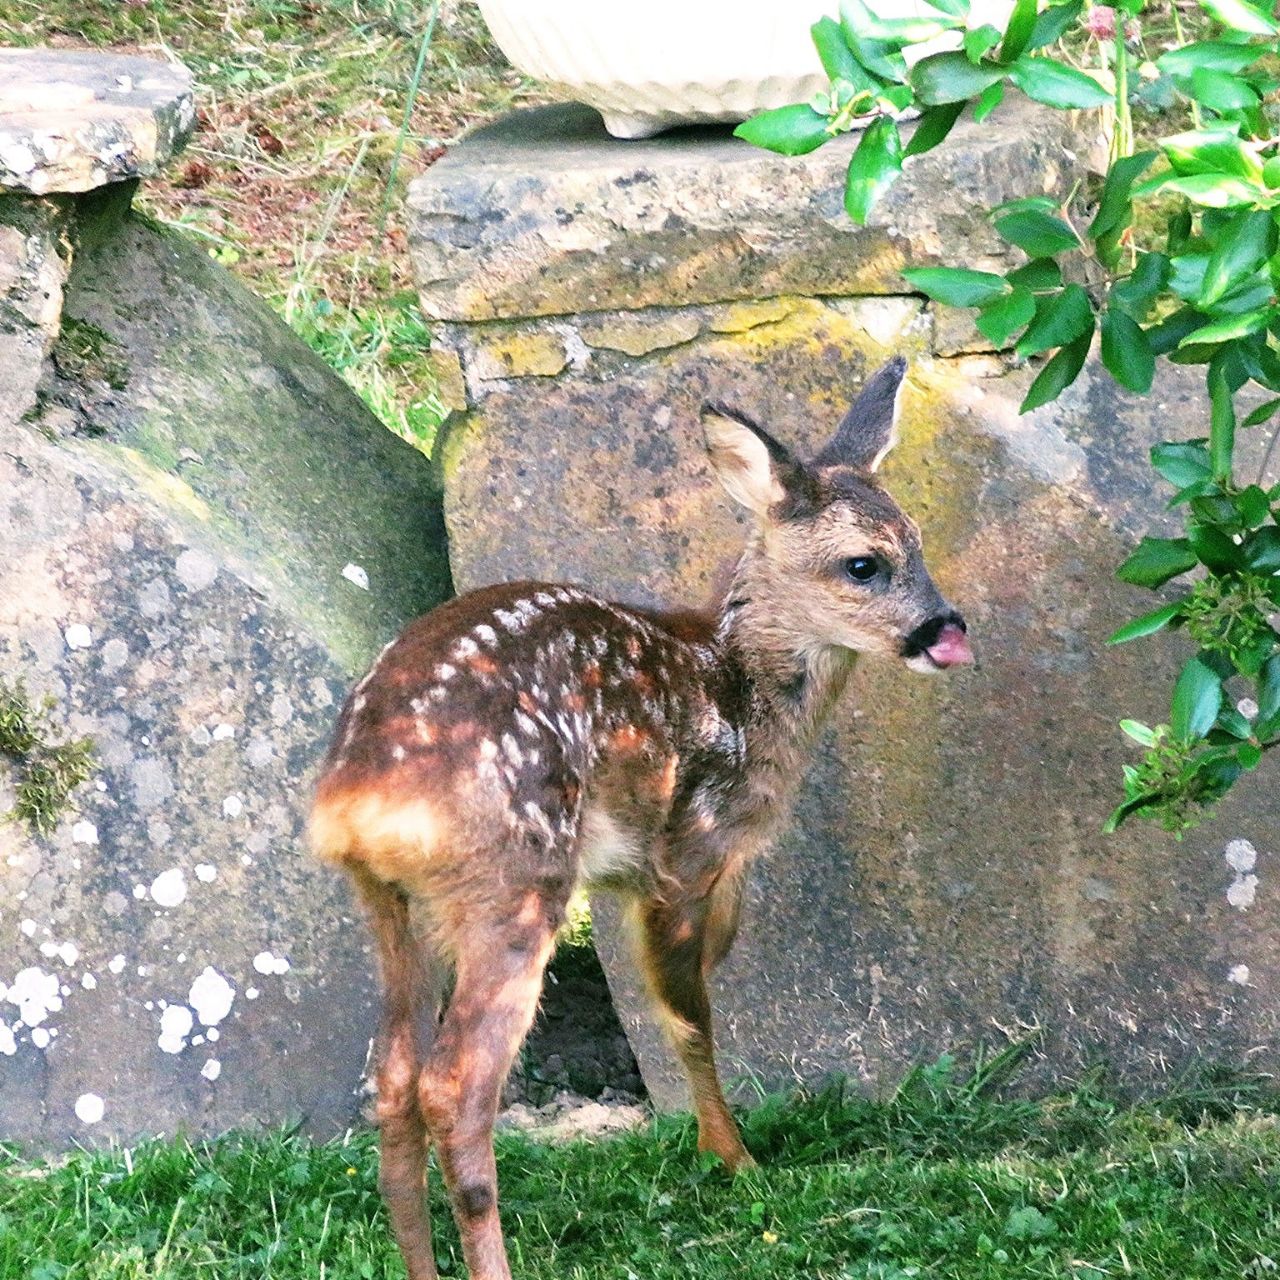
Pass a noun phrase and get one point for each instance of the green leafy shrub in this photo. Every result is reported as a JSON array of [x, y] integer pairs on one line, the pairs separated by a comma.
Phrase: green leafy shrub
[[1195, 285]]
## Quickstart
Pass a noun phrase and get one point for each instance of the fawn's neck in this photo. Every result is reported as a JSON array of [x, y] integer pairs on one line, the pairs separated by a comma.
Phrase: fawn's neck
[[794, 685]]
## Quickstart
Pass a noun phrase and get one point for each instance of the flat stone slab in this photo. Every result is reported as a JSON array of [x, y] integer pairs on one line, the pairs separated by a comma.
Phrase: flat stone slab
[[72, 120], [543, 213]]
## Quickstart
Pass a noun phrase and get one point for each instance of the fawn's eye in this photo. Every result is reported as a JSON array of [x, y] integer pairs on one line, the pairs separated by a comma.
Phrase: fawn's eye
[[861, 568]]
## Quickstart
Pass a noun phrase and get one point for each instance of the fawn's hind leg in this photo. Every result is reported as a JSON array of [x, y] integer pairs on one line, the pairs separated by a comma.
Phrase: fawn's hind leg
[[410, 1009], [675, 955], [499, 980]]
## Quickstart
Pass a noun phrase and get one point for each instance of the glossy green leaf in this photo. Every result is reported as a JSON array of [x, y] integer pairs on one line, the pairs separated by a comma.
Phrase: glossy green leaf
[[957, 286], [1144, 735], [1216, 55], [1183, 463], [1060, 372], [1055, 84], [1215, 151], [1037, 275], [951, 77], [1052, 23], [1267, 723], [1060, 319], [880, 57], [1126, 352], [1017, 32], [1036, 233], [980, 41], [1155, 560], [1165, 336], [1244, 245], [874, 167], [836, 56], [1222, 90], [1261, 414], [1229, 327], [998, 321], [1114, 205], [790, 131], [1262, 550], [1214, 548], [932, 128], [1137, 291], [1240, 16], [988, 100], [1254, 507], [1249, 754], [1197, 699], [1212, 190], [1147, 625]]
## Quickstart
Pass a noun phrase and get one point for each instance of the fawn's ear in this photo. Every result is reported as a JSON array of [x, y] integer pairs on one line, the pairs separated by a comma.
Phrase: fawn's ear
[[870, 428], [754, 468]]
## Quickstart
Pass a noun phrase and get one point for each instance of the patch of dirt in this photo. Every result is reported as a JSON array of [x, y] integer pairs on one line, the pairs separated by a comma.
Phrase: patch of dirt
[[577, 1043]]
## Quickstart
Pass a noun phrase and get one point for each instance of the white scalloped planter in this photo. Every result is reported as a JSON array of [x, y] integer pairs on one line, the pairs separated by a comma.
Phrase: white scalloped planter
[[667, 62]]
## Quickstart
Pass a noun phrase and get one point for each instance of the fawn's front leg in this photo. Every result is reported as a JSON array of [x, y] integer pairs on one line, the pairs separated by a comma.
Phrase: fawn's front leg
[[679, 942]]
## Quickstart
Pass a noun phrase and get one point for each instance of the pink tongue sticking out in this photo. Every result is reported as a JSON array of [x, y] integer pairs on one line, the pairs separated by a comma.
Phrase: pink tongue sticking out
[[951, 648]]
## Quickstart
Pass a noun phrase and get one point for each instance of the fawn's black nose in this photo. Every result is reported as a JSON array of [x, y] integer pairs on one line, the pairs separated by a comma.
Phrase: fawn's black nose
[[943, 640]]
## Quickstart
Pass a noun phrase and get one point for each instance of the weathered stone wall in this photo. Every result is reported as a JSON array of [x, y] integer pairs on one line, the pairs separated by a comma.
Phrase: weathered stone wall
[[203, 536], [945, 881]]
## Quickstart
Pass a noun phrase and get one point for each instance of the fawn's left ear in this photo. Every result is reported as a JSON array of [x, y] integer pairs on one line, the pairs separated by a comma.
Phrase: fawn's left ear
[[870, 428], [754, 468]]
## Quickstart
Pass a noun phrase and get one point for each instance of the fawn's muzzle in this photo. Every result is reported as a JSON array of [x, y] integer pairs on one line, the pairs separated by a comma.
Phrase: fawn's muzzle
[[942, 640]]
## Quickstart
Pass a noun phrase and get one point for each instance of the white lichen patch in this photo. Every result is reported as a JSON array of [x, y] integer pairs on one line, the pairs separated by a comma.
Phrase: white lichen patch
[[36, 994], [267, 963], [78, 636], [28, 928], [1240, 855], [40, 1037], [356, 574], [232, 807], [223, 731], [1242, 892], [88, 981], [205, 873], [211, 996], [169, 888], [90, 1108], [84, 832], [116, 964], [175, 1026], [211, 1070], [1239, 975], [67, 952], [8, 1042]]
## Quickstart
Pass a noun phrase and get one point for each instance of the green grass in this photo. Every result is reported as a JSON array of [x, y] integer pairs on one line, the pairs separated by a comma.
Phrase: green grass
[[943, 1180]]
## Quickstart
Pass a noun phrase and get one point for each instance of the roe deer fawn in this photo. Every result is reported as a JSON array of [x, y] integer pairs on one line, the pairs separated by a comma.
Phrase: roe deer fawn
[[528, 738]]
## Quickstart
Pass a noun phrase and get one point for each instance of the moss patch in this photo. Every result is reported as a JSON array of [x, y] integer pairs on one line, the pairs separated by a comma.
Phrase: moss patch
[[47, 772], [86, 354]]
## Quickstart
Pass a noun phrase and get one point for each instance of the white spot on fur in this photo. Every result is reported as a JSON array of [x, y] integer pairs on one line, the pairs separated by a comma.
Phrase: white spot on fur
[[169, 888], [90, 1108], [445, 673], [356, 574], [488, 749], [465, 648], [397, 753], [508, 620], [605, 848], [485, 634], [512, 750], [544, 598]]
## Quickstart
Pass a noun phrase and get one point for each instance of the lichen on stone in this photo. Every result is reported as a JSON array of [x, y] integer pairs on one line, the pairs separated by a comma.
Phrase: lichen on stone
[[47, 772]]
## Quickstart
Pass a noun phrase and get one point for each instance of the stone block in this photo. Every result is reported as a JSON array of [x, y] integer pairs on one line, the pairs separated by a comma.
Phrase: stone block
[[543, 213], [945, 883], [203, 536]]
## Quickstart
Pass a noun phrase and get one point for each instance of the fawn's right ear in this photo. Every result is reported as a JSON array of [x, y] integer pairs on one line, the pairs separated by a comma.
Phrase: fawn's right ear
[[754, 468]]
